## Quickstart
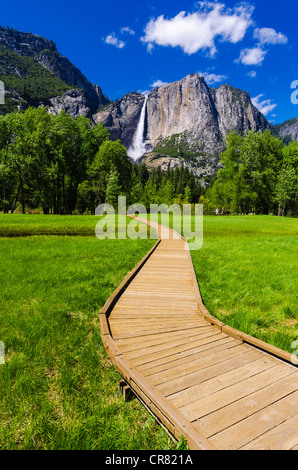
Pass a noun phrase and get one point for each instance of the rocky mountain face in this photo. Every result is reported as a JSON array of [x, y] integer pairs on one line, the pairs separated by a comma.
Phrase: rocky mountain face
[[288, 130], [44, 52], [121, 118], [73, 102], [184, 121]]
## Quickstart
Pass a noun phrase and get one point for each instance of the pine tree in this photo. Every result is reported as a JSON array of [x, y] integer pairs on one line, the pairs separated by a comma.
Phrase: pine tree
[[113, 187], [150, 193], [136, 195], [187, 195]]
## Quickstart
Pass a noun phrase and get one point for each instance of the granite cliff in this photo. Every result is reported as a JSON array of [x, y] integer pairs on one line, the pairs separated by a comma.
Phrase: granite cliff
[[287, 130], [28, 56], [184, 121], [121, 117]]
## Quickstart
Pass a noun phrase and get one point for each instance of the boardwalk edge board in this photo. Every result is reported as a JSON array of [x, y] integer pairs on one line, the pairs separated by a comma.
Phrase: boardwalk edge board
[[232, 332], [161, 408]]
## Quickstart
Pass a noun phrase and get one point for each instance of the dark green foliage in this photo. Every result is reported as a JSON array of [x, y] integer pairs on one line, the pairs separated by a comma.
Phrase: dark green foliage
[[27, 81], [259, 176], [63, 165], [178, 145], [44, 159], [113, 187]]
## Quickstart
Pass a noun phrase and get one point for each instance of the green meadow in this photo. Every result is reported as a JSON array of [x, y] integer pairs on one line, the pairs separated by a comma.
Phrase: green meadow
[[247, 272], [58, 388]]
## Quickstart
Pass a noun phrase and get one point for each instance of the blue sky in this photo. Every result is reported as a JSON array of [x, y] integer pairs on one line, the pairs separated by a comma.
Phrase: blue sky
[[134, 45]]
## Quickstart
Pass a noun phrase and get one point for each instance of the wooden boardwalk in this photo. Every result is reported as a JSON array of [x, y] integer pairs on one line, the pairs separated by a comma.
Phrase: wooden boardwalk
[[217, 387]]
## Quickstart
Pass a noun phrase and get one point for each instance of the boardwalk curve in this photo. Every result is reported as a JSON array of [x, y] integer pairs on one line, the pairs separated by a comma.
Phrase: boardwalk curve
[[217, 387]]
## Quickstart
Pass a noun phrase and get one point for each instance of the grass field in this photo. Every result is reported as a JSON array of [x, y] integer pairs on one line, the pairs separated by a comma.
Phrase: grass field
[[58, 389], [247, 271]]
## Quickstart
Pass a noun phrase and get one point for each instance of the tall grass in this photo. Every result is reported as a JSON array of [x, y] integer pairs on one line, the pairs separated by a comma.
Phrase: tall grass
[[247, 272], [58, 388]]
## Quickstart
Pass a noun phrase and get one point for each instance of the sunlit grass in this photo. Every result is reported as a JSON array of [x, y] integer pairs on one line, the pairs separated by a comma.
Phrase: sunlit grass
[[247, 271], [58, 388]]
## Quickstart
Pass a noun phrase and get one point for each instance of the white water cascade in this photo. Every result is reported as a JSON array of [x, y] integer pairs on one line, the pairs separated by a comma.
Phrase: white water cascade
[[138, 148]]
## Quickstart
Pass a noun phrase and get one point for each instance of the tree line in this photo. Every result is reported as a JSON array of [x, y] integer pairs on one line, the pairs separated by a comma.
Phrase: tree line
[[63, 165], [259, 175]]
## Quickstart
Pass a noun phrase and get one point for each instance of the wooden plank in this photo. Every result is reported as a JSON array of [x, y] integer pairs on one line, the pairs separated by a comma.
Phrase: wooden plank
[[190, 357], [184, 288], [155, 275], [128, 303], [127, 345], [244, 420], [133, 318], [153, 317], [148, 323], [220, 382], [197, 334], [160, 296], [155, 311], [181, 383], [264, 420], [168, 319], [142, 330], [200, 363], [149, 285], [282, 437], [228, 395], [135, 332], [163, 362], [137, 361]]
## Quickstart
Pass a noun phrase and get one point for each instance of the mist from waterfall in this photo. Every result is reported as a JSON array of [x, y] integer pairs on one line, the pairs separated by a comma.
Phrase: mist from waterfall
[[138, 148]]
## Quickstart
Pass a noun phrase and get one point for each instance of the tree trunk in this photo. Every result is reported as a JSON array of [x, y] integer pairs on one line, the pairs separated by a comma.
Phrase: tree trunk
[[16, 199]]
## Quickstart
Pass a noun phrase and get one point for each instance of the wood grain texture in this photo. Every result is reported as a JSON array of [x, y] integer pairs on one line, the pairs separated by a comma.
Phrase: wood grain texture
[[216, 386]]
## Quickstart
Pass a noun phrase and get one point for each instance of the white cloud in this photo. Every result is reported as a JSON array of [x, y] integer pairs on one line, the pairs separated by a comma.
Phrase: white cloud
[[155, 84], [252, 74], [265, 106], [212, 78], [158, 83], [127, 30], [112, 40], [198, 31], [269, 36], [144, 92], [254, 56]]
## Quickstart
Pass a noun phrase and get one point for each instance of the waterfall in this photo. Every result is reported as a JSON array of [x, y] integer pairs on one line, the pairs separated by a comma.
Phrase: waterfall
[[138, 148]]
